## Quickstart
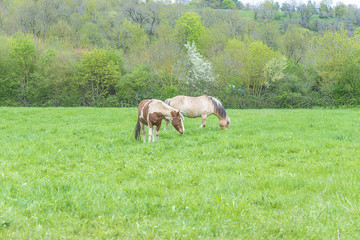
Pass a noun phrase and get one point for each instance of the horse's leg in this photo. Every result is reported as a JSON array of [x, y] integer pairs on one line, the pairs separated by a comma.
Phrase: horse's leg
[[166, 124], [203, 121], [153, 134], [157, 131], [143, 131], [150, 132]]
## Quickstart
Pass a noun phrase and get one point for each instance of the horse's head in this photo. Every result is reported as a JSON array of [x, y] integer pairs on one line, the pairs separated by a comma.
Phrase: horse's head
[[224, 122], [177, 121]]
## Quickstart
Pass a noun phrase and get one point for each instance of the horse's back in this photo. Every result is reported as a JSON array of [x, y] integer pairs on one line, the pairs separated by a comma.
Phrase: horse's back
[[142, 104], [176, 102], [143, 111], [192, 106]]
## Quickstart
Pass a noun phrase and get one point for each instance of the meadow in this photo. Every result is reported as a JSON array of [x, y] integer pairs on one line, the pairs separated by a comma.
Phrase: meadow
[[78, 173]]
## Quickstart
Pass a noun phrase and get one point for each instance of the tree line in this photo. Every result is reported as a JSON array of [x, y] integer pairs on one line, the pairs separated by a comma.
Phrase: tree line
[[111, 53]]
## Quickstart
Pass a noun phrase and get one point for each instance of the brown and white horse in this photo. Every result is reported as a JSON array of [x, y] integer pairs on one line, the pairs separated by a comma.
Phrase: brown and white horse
[[201, 106], [151, 112]]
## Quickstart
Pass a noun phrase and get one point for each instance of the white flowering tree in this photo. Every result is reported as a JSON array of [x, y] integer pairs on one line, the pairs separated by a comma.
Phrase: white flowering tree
[[199, 72], [274, 70]]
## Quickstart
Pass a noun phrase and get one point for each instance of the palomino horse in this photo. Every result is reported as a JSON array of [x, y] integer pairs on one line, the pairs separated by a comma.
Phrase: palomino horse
[[151, 113], [202, 106]]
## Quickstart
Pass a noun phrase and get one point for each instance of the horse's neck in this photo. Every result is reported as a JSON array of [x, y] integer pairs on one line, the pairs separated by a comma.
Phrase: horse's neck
[[217, 114], [167, 114], [215, 111], [166, 111]]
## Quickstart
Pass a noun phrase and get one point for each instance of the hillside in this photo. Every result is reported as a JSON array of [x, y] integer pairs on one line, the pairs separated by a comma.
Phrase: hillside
[[111, 53]]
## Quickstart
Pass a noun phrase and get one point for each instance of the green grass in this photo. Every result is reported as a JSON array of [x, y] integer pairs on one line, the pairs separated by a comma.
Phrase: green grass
[[74, 173]]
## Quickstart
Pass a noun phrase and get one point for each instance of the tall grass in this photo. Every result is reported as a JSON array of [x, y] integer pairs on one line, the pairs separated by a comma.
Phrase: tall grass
[[79, 173]]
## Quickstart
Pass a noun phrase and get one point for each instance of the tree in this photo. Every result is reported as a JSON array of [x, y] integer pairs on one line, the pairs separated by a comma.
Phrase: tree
[[212, 3], [348, 86], [136, 85], [306, 11], [9, 82], [189, 28], [333, 48], [295, 42], [22, 52], [55, 79], [131, 36], [228, 4], [270, 35], [325, 8], [274, 71], [340, 10], [164, 57], [267, 11], [62, 31], [258, 56], [147, 16], [230, 64], [289, 9], [199, 74], [98, 74], [90, 34], [47, 15]]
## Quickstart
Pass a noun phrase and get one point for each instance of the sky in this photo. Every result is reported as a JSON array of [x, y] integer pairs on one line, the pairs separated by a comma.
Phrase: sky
[[346, 2]]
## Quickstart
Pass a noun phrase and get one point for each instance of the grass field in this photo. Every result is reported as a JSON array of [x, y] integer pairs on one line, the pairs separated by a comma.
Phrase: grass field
[[78, 173]]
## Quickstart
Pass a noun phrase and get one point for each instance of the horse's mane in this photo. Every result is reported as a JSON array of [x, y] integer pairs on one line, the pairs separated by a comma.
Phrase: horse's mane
[[219, 108], [167, 101]]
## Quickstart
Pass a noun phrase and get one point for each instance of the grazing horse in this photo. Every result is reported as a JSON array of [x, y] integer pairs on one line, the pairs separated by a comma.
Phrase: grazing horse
[[202, 106], [151, 112]]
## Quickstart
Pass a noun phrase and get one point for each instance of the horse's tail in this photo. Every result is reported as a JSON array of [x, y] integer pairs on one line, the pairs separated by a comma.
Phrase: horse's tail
[[137, 130]]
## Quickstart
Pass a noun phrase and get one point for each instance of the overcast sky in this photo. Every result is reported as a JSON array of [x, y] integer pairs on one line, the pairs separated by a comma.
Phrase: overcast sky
[[356, 2]]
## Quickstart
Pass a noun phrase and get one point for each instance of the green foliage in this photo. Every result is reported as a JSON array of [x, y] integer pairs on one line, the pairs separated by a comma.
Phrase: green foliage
[[42, 46], [169, 91], [270, 35], [22, 49], [98, 74], [228, 4], [22, 53], [90, 35], [347, 89], [231, 64], [137, 85], [56, 80], [274, 71], [295, 42], [332, 51], [340, 10], [131, 37], [258, 56], [189, 28], [306, 11], [8, 78]]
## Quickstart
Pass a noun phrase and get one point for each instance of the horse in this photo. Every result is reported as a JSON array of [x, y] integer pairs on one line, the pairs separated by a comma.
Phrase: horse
[[151, 112], [201, 106]]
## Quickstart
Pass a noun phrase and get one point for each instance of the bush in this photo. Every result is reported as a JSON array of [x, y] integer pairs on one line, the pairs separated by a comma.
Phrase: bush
[[137, 85], [169, 91], [109, 101]]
